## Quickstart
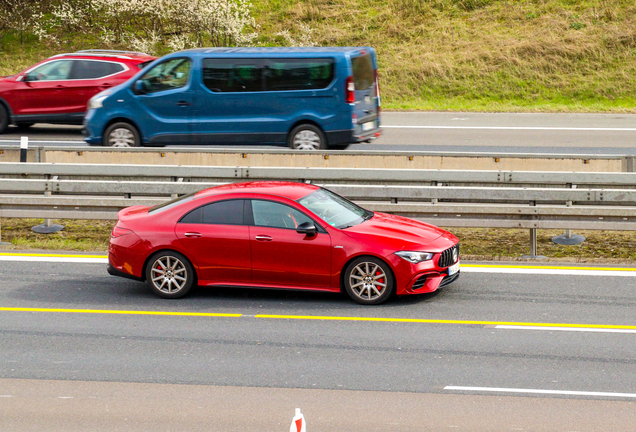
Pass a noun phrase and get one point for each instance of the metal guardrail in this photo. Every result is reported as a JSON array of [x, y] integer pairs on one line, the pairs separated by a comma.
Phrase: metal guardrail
[[506, 199]]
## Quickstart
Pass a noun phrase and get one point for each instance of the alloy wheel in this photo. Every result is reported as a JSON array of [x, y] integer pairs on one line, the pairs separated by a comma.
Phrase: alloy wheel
[[169, 275], [367, 281]]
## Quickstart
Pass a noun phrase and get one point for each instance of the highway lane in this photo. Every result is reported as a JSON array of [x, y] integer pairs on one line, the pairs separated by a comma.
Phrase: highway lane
[[442, 131], [373, 359]]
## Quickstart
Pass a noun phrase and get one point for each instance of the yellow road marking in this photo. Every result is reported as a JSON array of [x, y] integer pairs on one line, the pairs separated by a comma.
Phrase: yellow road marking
[[318, 317], [120, 312], [52, 255], [434, 321]]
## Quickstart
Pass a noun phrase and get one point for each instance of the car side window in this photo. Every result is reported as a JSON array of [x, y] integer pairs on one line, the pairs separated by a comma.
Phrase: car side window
[[276, 215], [218, 213], [169, 75], [53, 71], [233, 75], [92, 69]]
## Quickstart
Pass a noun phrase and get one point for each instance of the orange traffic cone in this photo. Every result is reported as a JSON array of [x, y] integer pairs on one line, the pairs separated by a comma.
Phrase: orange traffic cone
[[298, 423]]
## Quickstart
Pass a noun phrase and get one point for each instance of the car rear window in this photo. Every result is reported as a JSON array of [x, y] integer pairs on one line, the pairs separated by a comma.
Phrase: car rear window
[[172, 203], [363, 73]]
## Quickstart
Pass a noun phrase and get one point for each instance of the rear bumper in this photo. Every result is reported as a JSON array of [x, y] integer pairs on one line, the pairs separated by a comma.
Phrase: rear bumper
[[350, 136], [114, 272]]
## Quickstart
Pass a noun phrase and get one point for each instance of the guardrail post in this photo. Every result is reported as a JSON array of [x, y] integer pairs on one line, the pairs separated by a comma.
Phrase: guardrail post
[[47, 227], [568, 239], [24, 148], [178, 180], [533, 241]]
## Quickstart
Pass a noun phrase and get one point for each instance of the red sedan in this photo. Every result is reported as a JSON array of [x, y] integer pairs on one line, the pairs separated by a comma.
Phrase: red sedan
[[280, 235]]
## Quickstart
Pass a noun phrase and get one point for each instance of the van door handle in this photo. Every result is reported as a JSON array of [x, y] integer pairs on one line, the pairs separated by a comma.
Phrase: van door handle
[[264, 238], [183, 103], [192, 234]]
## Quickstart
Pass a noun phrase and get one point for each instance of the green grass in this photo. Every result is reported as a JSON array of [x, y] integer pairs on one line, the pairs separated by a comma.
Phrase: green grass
[[476, 243], [460, 55]]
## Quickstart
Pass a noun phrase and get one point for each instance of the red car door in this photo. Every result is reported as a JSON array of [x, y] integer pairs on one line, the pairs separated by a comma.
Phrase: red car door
[[42, 90], [217, 240], [281, 256]]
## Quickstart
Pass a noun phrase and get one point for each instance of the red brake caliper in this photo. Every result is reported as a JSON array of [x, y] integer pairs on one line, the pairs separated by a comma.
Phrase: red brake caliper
[[381, 280]]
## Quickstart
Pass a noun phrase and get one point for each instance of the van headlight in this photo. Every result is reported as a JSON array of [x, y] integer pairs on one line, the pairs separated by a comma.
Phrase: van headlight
[[98, 100], [414, 257]]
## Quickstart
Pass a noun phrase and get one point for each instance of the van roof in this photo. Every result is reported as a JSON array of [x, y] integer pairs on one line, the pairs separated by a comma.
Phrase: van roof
[[279, 50]]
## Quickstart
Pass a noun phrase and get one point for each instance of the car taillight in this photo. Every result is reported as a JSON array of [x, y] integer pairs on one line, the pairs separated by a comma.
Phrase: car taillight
[[350, 88], [119, 231]]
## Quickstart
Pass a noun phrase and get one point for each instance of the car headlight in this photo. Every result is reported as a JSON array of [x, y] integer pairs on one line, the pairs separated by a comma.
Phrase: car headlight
[[97, 100], [414, 257]]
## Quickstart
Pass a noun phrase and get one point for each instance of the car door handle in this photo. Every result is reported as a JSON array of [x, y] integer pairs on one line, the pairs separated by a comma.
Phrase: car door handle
[[264, 238], [183, 103], [192, 234]]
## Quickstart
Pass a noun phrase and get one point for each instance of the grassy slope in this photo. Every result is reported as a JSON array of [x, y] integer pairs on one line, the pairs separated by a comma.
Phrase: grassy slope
[[541, 55], [486, 55]]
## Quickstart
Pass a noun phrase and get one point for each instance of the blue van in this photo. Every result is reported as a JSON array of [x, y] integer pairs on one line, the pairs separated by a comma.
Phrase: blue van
[[308, 98]]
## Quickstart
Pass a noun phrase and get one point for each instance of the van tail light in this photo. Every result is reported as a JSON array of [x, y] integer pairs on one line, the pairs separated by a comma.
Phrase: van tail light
[[350, 88], [377, 88], [119, 231]]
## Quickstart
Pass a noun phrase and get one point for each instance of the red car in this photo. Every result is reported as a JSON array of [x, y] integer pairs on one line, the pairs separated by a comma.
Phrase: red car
[[57, 89], [280, 235]]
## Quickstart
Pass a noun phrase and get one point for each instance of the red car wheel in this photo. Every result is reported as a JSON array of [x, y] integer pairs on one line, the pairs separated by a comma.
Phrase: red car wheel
[[170, 275], [369, 281]]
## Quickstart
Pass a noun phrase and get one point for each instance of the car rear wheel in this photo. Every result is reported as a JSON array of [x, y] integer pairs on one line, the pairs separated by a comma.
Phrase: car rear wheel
[[121, 135], [170, 275], [4, 119], [307, 137], [369, 281]]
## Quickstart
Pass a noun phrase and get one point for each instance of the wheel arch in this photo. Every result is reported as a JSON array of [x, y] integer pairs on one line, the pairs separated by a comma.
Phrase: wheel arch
[[6, 106], [307, 121]]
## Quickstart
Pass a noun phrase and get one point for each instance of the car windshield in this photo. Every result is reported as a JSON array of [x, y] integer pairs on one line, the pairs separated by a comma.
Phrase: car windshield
[[337, 211]]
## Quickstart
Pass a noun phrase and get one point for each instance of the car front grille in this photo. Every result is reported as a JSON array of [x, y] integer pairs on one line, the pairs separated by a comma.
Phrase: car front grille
[[446, 259]]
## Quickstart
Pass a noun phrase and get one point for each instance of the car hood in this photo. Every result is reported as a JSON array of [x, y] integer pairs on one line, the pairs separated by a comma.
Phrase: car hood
[[407, 232]]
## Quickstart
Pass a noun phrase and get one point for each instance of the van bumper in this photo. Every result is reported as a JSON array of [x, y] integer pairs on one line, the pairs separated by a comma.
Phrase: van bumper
[[351, 136]]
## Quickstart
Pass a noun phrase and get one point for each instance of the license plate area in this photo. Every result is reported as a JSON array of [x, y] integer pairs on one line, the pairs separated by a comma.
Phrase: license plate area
[[368, 125], [453, 269]]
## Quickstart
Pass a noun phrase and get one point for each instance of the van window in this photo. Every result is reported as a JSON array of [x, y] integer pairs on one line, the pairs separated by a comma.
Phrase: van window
[[233, 75], [169, 75], [363, 75], [298, 74]]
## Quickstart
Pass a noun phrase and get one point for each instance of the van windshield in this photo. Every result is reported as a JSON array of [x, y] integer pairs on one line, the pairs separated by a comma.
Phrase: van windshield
[[363, 74]]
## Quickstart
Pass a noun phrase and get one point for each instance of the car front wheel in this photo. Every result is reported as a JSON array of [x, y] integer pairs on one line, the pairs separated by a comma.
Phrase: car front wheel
[[121, 135], [170, 275], [369, 281]]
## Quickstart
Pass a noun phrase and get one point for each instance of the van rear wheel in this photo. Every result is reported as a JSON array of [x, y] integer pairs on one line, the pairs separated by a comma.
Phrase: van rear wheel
[[307, 137]]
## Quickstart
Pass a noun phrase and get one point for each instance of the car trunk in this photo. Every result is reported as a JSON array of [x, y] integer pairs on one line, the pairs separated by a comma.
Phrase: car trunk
[[366, 106]]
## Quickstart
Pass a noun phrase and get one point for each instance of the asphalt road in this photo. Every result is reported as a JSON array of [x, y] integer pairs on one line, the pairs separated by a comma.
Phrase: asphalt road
[[463, 132], [354, 368]]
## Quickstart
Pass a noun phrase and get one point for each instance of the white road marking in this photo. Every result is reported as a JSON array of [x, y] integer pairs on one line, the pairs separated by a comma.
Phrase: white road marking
[[6, 396], [512, 128], [54, 259], [574, 329], [538, 391], [44, 141]]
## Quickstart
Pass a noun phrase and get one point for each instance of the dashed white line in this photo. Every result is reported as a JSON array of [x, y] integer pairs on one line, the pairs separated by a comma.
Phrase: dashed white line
[[572, 329], [540, 391], [511, 128]]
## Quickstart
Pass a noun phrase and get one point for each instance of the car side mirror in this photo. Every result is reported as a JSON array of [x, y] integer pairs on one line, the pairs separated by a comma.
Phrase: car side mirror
[[139, 87], [21, 78], [307, 228]]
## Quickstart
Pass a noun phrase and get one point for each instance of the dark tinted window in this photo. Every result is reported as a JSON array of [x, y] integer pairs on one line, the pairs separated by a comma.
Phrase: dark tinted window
[[87, 69], [298, 74], [275, 215], [144, 64], [224, 213], [195, 216], [233, 75], [363, 74]]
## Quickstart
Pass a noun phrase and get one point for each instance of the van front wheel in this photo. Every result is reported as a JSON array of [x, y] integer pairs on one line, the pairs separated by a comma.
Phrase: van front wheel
[[307, 137], [121, 135]]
